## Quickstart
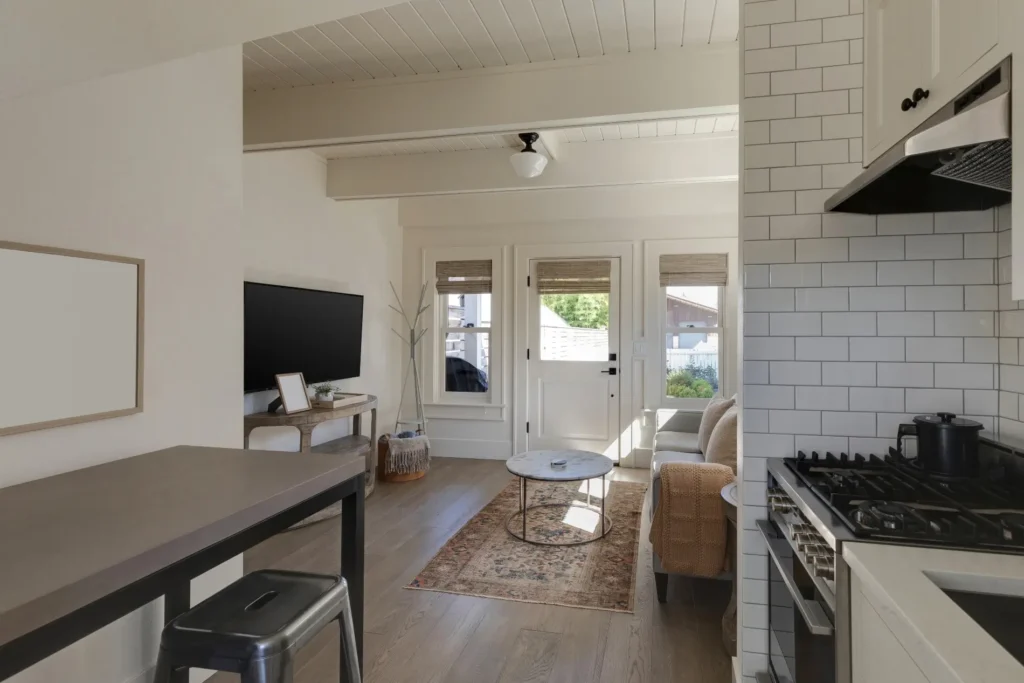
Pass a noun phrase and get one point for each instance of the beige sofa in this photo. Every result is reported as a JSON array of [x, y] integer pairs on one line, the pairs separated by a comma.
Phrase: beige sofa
[[675, 441]]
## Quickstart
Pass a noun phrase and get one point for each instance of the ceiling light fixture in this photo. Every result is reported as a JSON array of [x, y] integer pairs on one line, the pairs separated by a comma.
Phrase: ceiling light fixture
[[528, 163]]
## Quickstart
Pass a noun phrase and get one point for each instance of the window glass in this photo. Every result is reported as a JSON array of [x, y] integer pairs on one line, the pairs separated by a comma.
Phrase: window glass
[[691, 307], [469, 310], [691, 364], [467, 353], [574, 327], [467, 360]]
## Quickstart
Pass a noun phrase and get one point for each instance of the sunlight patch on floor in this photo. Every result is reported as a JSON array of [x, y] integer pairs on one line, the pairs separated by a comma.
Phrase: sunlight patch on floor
[[582, 517], [596, 490]]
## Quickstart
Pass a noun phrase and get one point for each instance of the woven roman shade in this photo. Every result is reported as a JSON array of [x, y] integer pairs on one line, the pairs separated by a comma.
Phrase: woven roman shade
[[463, 277], [680, 270], [574, 277]]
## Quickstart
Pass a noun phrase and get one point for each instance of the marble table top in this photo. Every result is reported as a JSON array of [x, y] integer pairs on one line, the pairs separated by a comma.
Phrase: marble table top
[[730, 494], [579, 465]]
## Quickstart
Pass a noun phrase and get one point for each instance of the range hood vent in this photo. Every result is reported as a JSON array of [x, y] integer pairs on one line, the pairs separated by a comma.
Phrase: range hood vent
[[957, 160]]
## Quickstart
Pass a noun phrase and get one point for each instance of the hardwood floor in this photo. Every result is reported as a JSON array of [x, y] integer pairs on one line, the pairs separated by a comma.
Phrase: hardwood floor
[[426, 637]]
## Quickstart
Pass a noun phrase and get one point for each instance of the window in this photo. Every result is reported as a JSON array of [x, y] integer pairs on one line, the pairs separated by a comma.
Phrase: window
[[693, 285], [464, 308], [574, 309]]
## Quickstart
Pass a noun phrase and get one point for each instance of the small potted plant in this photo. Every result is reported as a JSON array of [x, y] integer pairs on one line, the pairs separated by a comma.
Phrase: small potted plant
[[324, 392]]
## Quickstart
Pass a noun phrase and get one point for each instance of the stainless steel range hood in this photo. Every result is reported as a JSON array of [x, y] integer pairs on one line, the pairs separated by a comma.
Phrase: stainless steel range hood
[[957, 160]]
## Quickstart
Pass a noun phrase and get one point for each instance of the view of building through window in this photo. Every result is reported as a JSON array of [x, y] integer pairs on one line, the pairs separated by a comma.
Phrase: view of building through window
[[691, 341]]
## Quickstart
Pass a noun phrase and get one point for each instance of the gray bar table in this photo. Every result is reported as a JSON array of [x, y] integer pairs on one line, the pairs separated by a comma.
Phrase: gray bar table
[[82, 549]]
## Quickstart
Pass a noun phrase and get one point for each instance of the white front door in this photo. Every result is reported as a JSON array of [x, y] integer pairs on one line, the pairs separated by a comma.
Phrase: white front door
[[573, 367]]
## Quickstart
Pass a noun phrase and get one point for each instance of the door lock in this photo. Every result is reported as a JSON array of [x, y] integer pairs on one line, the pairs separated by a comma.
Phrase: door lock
[[610, 371]]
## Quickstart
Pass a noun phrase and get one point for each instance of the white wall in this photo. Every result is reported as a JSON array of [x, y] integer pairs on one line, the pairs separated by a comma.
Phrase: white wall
[[629, 216], [144, 164], [292, 234]]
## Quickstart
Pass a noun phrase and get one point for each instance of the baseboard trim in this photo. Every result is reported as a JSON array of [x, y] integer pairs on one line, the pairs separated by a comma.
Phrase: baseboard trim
[[478, 449]]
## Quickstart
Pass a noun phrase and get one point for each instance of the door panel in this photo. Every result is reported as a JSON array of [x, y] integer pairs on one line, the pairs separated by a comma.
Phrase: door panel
[[573, 408], [573, 399]]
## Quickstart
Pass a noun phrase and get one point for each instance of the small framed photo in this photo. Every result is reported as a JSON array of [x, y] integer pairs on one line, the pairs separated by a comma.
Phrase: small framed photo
[[292, 387]]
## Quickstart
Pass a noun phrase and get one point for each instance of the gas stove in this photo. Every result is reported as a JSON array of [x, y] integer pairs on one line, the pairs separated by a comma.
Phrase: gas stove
[[890, 499], [819, 502]]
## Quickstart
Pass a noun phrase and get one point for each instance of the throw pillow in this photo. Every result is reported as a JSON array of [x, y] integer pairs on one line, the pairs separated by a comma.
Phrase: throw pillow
[[712, 414], [722, 447]]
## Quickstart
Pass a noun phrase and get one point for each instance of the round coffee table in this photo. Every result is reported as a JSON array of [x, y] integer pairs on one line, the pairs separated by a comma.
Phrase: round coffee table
[[579, 466]]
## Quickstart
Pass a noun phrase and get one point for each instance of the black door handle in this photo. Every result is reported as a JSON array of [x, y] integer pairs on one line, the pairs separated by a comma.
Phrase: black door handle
[[610, 371]]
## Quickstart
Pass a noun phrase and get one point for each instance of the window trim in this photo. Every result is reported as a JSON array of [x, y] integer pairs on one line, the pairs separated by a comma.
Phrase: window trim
[[730, 315], [439, 403], [720, 330]]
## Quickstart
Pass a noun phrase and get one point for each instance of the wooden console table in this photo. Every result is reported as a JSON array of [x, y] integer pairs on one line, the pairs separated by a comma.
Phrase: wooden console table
[[307, 421]]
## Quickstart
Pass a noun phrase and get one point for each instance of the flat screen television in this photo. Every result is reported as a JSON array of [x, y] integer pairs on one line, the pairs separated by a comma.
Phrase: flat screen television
[[289, 329]]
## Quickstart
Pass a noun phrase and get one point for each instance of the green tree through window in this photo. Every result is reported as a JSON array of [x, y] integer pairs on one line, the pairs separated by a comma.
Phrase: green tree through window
[[589, 311], [683, 383]]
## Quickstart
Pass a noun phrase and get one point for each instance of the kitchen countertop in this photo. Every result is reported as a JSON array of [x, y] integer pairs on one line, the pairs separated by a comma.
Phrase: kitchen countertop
[[903, 583]]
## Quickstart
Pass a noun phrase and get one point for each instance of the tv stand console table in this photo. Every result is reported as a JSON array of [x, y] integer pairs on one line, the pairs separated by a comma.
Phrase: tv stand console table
[[307, 421]]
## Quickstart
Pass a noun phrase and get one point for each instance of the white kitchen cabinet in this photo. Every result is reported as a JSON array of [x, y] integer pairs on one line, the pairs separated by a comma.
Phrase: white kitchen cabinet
[[877, 655], [926, 44]]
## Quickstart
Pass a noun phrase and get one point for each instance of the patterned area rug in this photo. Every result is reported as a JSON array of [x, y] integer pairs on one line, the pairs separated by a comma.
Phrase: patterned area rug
[[484, 560]]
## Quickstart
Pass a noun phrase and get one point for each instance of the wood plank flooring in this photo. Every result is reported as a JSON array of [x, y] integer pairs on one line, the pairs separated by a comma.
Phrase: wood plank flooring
[[426, 637]]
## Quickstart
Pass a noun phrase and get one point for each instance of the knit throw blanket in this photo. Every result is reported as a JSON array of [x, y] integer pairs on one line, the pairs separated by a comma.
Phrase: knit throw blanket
[[406, 456], [689, 530]]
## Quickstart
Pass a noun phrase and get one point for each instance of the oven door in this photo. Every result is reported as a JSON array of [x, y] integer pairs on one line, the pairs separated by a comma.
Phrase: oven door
[[801, 636]]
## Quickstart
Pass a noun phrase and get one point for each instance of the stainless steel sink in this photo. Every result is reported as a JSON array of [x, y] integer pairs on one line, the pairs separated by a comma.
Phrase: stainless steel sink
[[1002, 616]]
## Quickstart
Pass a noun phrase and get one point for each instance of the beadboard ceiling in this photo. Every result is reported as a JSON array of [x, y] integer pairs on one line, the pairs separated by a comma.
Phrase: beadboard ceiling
[[620, 131], [430, 36]]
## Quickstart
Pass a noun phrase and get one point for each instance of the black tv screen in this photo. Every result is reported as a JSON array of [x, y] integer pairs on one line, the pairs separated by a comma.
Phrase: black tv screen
[[288, 329]]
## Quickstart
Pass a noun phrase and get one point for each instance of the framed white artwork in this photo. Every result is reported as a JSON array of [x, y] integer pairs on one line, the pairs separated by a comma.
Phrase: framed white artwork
[[71, 336], [294, 396]]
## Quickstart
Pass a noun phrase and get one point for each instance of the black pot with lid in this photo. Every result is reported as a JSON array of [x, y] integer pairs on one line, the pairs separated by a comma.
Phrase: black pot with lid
[[946, 444]]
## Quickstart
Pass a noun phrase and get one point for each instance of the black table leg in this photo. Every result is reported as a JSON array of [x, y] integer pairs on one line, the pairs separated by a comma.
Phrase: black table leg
[[352, 561], [604, 494], [524, 508], [177, 601]]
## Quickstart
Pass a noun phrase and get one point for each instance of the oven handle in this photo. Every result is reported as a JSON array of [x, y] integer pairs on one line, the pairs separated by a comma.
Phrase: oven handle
[[815, 618]]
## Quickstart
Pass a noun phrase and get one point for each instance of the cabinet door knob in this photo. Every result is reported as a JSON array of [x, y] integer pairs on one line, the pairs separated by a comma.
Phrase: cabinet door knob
[[920, 94], [908, 104]]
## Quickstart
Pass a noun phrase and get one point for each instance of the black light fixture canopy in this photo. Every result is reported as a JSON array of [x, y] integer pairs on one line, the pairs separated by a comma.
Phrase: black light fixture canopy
[[528, 140]]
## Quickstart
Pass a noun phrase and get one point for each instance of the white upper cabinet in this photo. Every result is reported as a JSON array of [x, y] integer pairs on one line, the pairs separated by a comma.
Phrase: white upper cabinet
[[925, 47]]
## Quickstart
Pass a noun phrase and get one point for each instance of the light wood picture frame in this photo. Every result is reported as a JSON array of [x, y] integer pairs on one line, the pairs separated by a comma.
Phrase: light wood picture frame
[[134, 308], [294, 394]]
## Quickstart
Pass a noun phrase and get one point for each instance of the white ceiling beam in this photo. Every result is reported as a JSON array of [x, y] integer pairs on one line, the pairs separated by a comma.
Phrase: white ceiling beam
[[549, 139], [48, 43], [661, 84], [698, 158]]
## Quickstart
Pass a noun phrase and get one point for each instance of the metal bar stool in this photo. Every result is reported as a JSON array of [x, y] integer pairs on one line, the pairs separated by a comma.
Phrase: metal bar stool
[[255, 626]]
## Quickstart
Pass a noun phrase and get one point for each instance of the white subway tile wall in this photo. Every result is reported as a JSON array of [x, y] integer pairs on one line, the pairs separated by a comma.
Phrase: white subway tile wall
[[1008, 380], [853, 324]]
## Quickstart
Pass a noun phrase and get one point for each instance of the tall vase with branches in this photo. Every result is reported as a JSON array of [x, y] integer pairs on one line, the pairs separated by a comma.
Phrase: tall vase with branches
[[415, 331]]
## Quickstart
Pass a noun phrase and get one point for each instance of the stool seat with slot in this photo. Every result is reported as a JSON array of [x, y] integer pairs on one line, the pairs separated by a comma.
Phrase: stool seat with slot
[[255, 626]]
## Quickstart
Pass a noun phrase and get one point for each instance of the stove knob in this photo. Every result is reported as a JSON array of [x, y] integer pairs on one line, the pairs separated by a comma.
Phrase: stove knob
[[817, 550], [824, 568], [781, 503], [804, 540], [800, 529]]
